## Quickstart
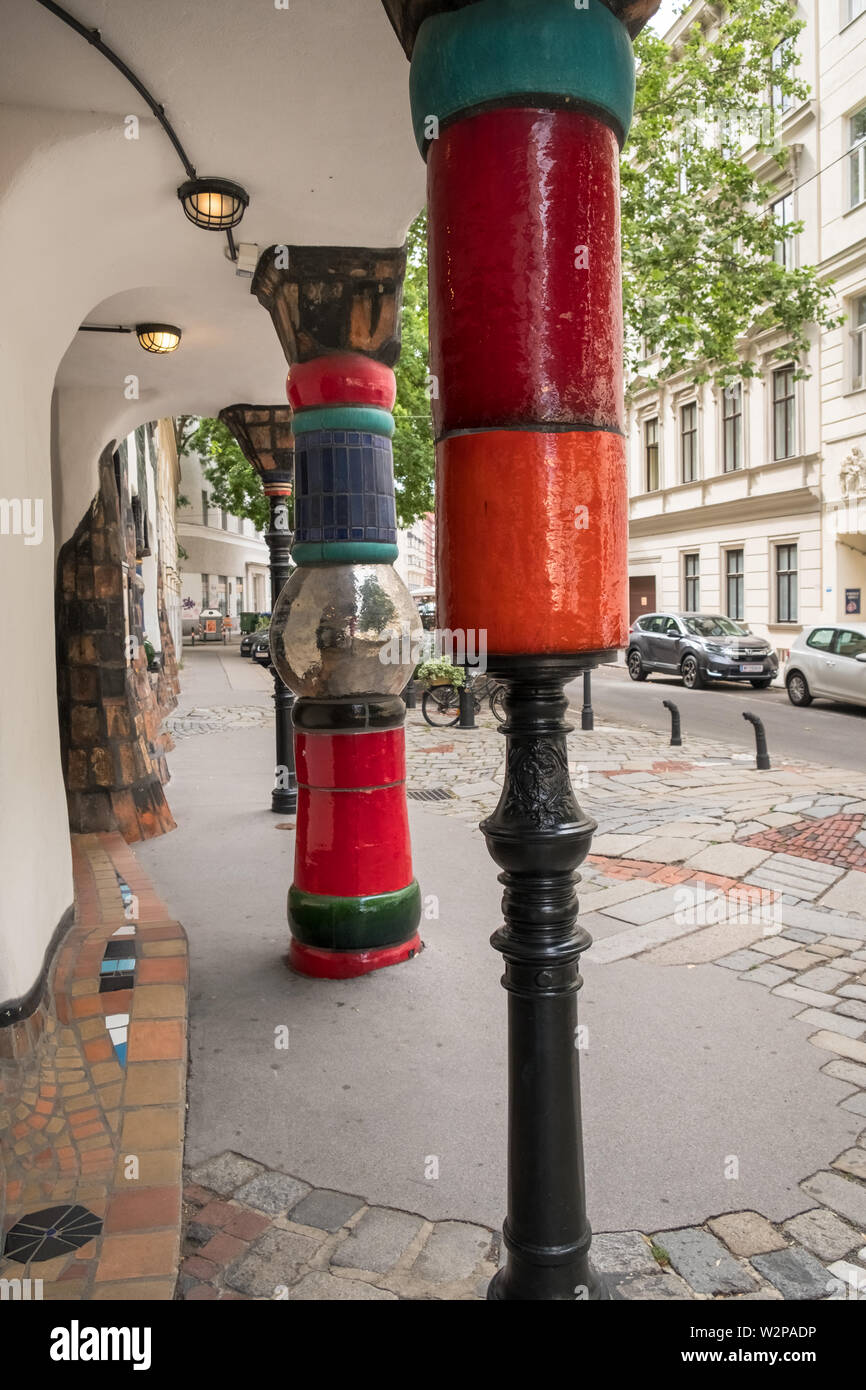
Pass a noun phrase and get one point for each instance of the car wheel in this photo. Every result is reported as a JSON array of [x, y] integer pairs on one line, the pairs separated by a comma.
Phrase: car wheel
[[635, 666], [762, 684], [691, 674], [798, 689]]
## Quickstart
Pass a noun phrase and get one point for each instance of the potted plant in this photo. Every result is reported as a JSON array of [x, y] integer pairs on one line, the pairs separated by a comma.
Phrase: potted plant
[[439, 671]]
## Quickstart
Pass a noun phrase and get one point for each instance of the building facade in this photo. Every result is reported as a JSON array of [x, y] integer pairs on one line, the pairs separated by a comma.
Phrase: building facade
[[416, 562], [224, 564], [750, 499]]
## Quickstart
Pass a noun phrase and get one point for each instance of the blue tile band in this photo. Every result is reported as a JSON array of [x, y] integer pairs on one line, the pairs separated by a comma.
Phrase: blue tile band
[[344, 488]]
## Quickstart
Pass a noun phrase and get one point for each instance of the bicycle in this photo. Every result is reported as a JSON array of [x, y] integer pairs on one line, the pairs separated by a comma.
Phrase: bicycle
[[440, 704]]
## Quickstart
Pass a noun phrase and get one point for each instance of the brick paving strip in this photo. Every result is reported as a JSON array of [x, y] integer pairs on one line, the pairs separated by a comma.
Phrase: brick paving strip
[[92, 1128]]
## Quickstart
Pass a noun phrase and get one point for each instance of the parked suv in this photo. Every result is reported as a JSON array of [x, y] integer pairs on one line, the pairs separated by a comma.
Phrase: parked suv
[[700, 647], [828, 662]]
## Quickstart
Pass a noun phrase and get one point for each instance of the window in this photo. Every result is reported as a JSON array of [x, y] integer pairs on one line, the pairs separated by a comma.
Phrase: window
[[858, 342], [734, 584], [783, 214], [205, 591], [784, 398], [205, 503], [851, 644], [786, 583], [692, 582], [821, 639], [651, 454], [781, 101], [689, 441], [857, 158], [732, 427]]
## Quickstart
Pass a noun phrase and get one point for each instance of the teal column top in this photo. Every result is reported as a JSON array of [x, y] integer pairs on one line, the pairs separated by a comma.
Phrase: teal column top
[[526, 53]]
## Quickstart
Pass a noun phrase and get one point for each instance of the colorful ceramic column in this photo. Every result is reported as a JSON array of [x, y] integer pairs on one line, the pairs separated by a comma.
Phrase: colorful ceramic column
[[520, 108], [341, 637]]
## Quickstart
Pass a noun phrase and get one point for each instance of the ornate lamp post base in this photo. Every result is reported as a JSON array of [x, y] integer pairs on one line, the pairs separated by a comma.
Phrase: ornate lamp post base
[[538, 835]]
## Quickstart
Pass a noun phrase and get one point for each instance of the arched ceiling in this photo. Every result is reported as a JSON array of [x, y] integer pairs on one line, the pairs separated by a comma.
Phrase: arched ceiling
[[306, 107]]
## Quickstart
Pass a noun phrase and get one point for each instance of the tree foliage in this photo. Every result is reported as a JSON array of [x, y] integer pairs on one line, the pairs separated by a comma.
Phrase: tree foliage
[[699, 233], [413, 436], [235, 484]]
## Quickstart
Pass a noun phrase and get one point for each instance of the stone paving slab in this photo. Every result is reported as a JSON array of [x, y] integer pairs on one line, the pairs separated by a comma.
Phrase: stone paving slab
[[378, 1241], [842, 1195], [795, 1273], [747, 1233], [703, 1262], [823, 1233]]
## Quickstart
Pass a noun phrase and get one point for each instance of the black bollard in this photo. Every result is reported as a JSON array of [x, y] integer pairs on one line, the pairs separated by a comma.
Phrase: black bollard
[[467, 708], [676, 732], [762, 757], [409, 698], [587, 719]]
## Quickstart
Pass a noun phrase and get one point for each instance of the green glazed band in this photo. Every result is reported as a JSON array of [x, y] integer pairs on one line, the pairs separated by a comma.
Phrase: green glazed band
[[344, 417], [344, 553], [517, 52], [353, 924]]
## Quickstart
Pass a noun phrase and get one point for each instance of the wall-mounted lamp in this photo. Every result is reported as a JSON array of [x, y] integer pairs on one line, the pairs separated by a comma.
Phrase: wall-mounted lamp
[[158, 337], [153, 337], [214, 204]]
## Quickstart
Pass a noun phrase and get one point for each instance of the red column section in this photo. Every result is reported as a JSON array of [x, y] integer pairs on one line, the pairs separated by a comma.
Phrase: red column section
[[352, 826], [525, 299], [561, 585]]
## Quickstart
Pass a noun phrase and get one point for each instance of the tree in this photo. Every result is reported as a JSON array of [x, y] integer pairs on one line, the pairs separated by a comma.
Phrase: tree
[[413, 436], [700, 272], [235, 484]]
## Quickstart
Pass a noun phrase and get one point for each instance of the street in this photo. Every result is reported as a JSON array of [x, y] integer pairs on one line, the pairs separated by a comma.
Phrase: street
[[827, 733]]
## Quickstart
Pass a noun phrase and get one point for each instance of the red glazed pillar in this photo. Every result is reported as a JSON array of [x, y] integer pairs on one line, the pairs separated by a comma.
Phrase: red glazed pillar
[[354, 904], [520, 108]]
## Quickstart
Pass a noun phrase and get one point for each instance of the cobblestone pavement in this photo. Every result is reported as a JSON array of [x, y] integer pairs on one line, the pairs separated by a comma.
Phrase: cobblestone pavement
[[203, 719], [253, 1233]]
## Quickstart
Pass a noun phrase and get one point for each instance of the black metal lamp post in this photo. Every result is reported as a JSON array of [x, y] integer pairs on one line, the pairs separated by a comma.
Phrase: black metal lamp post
[[538, 835], [264, 433]]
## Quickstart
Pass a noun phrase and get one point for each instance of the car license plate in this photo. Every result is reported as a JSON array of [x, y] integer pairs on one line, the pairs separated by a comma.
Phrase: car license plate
[[751, 670]]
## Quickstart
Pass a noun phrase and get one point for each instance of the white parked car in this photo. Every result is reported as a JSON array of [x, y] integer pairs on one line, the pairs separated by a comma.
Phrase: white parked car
[[828, 662]]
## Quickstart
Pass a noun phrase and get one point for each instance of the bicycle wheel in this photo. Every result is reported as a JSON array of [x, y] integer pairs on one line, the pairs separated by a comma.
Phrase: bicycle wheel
[[497, 703], [440, 706]]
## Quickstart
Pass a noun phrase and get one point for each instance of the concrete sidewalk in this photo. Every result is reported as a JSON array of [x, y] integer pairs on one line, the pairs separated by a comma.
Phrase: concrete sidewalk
[[704, 1092]]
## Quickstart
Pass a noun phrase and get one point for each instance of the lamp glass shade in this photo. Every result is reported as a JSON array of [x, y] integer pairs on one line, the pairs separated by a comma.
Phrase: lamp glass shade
[[158, 337], [214, 204]]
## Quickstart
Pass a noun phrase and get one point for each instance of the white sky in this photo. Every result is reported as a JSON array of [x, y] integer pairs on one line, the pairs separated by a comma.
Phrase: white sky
[[666, 15]]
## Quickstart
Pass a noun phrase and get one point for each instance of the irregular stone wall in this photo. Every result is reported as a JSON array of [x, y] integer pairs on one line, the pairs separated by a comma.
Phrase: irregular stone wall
[[110, 708]]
